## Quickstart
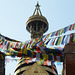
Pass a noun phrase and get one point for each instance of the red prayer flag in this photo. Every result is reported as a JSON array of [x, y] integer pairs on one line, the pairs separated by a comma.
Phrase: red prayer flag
[[25, 45], [30, 59], [26, 61], [1, 46], [45, 62], [46, 37], [55, 58], [71, 27], [19, 54], [11, 44], [53, 42], [34, 53], [16, 45], [70, 38], [30, 42], [57, 33], [59, 53], [40, 43], [36, 39], [52, 68], [38, 49]]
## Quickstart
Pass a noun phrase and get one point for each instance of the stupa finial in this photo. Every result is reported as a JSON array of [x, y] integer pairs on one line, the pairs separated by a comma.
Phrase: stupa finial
[[37, 9]]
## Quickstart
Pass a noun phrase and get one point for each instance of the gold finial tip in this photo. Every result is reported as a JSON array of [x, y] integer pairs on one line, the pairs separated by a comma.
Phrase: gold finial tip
[[37, 5]]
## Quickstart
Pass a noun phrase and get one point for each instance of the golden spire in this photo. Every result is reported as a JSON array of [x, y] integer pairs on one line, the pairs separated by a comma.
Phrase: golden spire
[[37, 9]]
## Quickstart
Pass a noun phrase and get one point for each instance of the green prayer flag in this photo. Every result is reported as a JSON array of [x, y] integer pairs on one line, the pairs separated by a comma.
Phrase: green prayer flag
[[8, 46], [6, 42], [21, 45], [57, 40]]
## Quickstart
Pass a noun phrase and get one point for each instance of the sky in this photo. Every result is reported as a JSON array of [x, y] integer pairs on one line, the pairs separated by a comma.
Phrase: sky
[[15, 13]]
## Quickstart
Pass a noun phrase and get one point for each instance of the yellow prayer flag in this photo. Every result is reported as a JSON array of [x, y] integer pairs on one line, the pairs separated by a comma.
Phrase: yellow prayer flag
[[24, 51], [51, 54], [62, 30], [60, 40], [8, 54], [74, 40], [45, 56], [27, 58], [28, 47], [50, 33]]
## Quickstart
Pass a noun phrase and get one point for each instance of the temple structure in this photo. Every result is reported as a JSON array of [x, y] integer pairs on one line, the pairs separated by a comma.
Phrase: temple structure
[[37, 24], [2, 64]]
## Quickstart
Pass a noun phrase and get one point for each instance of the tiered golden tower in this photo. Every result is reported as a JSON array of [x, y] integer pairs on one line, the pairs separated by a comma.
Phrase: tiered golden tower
[[37, 24]]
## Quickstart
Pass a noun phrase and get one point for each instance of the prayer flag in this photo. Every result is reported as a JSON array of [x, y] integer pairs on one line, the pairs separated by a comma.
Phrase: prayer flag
[[45, 62], [60, 40], [73, 27], [57, 40]]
